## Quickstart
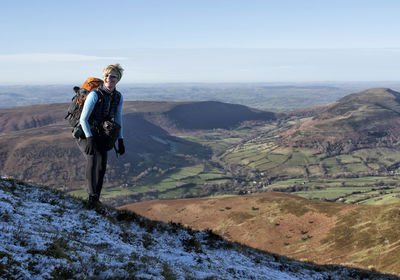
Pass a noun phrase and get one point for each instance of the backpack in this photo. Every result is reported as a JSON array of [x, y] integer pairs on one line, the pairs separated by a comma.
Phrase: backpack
[[76, 106], [107, 132]]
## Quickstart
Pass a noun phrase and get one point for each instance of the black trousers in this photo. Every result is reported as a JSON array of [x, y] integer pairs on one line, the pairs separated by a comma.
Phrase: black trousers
[[95, 168]]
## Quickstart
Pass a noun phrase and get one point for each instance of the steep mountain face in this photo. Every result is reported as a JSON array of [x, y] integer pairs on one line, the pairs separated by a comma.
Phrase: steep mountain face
[[367, 119], [48, 235], [36, 142], [321, 232]]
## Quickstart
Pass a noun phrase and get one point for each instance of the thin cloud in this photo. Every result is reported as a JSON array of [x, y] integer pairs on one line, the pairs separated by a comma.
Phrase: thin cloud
[[53, 57]]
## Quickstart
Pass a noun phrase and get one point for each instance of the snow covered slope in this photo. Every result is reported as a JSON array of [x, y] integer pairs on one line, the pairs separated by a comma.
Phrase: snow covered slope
[[46, 234]]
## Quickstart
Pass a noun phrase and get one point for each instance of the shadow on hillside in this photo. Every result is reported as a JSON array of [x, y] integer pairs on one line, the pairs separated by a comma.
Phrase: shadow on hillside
[[148, 145], [143, 137], [152, 155]]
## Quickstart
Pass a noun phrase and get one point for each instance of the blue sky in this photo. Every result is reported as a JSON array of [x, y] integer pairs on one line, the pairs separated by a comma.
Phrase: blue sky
[[48, 42]]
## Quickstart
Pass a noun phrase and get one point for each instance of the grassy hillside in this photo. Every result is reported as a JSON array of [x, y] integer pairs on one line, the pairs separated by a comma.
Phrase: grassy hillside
[[359, 120], [46, 234], [321, 153], [36, 145], [22, 118], [326, 233], [314, 173], [212, 115], [188, 149]]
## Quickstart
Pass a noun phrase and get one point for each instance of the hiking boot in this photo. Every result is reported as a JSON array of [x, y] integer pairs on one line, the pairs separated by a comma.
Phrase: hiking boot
[[92, 201]]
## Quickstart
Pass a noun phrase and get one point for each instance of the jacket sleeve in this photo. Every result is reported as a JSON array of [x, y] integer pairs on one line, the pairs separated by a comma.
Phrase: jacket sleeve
[[87, 110], [118, 118]]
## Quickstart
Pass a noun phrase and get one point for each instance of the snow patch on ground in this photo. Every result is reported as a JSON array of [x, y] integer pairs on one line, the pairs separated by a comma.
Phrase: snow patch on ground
[[46, 234]]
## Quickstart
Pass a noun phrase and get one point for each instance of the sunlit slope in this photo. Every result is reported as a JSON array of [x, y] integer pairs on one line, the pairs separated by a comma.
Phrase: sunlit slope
[[276, 161], [49, 235], [356, 137], [367, 119], [326, 233]]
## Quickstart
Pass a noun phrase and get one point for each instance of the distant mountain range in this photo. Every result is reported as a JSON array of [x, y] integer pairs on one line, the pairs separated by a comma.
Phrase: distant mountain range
[[264, 96]]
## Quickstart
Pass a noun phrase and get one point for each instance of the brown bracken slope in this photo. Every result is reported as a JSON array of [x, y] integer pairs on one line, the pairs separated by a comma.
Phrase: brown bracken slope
[[321, 232]]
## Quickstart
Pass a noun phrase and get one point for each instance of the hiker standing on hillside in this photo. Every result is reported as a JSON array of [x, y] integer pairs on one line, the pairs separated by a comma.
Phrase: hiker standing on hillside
[[102, 104]]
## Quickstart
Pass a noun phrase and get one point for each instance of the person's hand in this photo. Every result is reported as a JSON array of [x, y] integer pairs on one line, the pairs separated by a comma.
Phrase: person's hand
[[89, 150], [121, 147]]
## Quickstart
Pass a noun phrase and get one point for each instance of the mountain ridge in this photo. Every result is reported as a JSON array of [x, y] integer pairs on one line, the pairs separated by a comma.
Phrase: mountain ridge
[[358, 120]]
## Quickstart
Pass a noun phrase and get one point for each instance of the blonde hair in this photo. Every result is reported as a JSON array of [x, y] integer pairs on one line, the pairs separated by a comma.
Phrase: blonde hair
[[113, 67]]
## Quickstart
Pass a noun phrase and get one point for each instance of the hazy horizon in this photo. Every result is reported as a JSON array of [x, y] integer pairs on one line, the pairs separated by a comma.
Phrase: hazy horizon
[[122, 84], [277, 97]]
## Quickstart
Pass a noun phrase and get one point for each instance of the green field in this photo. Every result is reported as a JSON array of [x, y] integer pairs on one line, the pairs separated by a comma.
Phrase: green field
[[350, 178], [255, 157], [183, 181], [364, 190], [263, 155], [217, 140]]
